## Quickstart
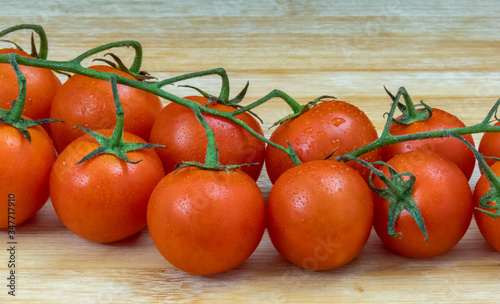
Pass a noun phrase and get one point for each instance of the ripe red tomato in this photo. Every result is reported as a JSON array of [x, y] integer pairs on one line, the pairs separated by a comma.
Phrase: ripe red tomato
[[206, 222], [103, 199], [41, 87], [88, 102], [319, 214], [443, 196], [446, 146], [178, 129], [488, 226], [318, 132], [490, 145], [24, 172]]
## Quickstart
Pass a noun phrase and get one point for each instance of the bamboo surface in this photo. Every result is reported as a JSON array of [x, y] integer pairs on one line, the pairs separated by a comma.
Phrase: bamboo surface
[[444, 53]]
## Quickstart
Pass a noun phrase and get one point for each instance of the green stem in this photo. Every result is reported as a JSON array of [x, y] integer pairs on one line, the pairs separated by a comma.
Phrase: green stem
[[44, 45], [294, 105], [18, 106], [212, 156], [386, 138], [136, 65], [74, 66], [117, 135], [224, 93]]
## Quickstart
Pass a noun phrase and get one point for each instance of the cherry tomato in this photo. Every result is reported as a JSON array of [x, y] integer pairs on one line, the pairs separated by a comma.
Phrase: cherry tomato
[[88, 102], [178, 129], [490, 145], [488, 226], [443, 196], [319, 214], [24, 173], [41, 87], [206, 222], [103, 199], [446, 146], [318, 132]]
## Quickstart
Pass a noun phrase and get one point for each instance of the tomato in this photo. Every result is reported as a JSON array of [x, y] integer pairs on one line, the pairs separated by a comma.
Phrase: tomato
[[206, 222], [178, 129], [41, 87], [446, 146], [318, 132], [319, 214], [88, 102], [103, 199], [488, 226], [24, 172], [443, 196], [490, 145]]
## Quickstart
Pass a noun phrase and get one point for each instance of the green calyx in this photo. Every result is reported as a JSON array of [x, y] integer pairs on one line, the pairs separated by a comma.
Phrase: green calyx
[[399, 193], [13, 116], [302, 109], [231, 102], [118, 64], [115, 144], [410, 113]]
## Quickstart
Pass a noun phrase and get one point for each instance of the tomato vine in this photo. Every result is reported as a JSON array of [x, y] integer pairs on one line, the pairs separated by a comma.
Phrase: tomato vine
[[156, 87]]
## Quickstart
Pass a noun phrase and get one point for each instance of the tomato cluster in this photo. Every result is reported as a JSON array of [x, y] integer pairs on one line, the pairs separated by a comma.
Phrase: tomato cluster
[[319, 213]]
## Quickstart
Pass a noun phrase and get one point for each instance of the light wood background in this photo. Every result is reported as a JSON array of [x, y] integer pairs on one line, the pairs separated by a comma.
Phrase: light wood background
[[444, 52]]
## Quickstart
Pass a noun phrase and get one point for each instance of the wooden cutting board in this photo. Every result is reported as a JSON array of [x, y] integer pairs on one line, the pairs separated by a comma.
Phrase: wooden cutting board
[[444, 53]]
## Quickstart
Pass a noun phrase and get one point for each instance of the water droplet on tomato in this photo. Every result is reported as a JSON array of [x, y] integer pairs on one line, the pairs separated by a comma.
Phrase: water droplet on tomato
[[337, 121], [308, 131], [336, 143]]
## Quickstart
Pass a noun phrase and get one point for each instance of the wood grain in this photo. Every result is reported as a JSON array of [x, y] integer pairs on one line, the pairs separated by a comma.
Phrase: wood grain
[[445, 53]]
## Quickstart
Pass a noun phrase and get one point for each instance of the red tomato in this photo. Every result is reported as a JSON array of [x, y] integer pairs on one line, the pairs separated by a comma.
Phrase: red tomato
[[488, 226], [206, 222], [88, 102], [319, 214], [446, 146], [178, 129], [490, 145], [443, 196], [318, 132], [103, 199], [24, 172], [41, 87]]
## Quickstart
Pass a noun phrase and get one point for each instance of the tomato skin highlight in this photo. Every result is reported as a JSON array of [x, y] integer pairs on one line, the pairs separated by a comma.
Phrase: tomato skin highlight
[[446, 146], [316, 134], [488, 226], [490, 146], [443, 196], [206, 222], [41, 87], [319, 214], [178, 129], [24, 172], [103, 199], [87, 102]]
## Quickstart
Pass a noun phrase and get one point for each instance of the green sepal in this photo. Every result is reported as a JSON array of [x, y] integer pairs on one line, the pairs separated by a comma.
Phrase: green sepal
[[303, 109], [232, 103], [491, 196], [410, 113], [399, 194], [119, 65], [236, 100], [107, 147]]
